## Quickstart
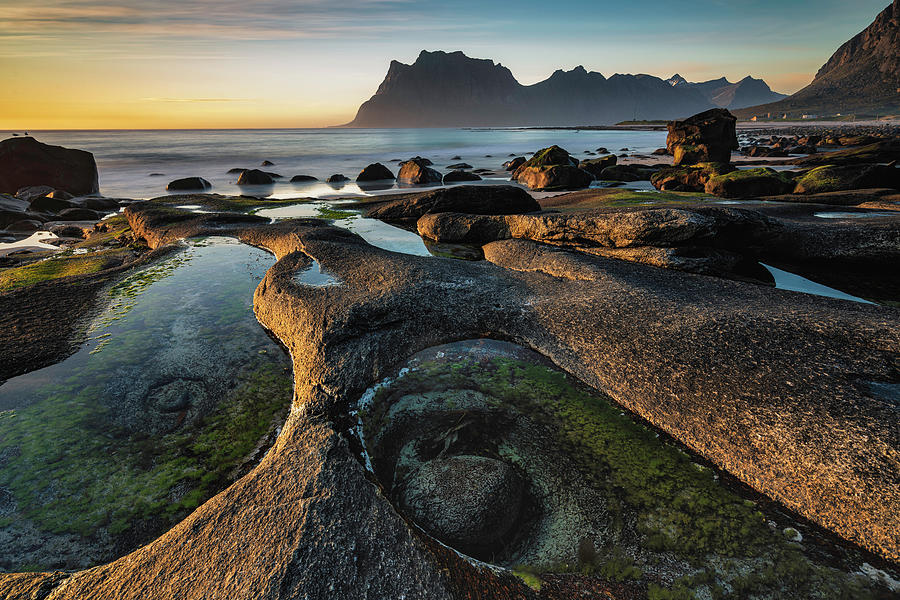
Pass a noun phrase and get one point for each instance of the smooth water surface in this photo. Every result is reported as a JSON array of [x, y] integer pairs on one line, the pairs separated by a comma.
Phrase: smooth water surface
[[796, 283], [175, 387], [126, 159]]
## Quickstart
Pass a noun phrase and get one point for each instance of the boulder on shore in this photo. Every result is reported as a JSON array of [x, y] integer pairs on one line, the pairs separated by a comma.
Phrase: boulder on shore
[[417, 171], [552, 169], [692, 178], [847, 177], [189, 184], [255, 177], [705, 137], [471, 199], [749, 183], [374, 172], [27, 162]]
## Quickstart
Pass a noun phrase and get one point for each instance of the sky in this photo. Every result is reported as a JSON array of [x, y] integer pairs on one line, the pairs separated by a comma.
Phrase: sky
[[160, 64]]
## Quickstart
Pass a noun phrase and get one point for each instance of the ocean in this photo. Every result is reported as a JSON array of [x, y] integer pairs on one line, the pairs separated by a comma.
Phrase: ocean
[[139, 163]]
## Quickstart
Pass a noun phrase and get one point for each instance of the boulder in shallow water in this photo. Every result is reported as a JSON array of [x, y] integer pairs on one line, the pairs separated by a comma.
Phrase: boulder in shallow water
[[464, 499], [337, 178], [626, 173], [418, 172], [375, 172], [188, 184], [27, 162], [459, 176], [255, 177], [595, 166], [302, 178], [552, 169], [512, 165], [705, 137]]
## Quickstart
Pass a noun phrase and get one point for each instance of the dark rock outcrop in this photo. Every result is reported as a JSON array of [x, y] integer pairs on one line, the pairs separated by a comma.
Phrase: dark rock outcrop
[[337, 178], [459, 176], [374, 172], [626, 173], [27, 162], [478, 200], [255, 177], [512, 165], [705, 137], [302, 178], [416, 171], [190, 184]]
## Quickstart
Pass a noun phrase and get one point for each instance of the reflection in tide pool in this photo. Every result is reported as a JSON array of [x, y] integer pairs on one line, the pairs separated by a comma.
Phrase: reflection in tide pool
[[837, 214], [175, 389], [375, 232], [795, 283]]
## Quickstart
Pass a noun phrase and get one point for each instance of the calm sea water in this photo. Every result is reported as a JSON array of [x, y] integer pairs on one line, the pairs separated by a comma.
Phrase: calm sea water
[[127, 159]]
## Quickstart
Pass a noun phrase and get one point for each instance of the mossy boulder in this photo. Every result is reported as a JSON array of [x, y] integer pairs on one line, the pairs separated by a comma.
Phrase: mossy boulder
[[688, 178], [552, 169], [831, 178], [749, 183]]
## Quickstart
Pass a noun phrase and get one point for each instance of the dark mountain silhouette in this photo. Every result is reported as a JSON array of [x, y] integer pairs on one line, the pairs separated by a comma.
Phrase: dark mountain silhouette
[[861, 78], [452, 90], [724, 94]]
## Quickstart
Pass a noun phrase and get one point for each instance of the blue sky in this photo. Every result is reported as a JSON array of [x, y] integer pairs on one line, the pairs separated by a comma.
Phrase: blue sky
[[311, 62]]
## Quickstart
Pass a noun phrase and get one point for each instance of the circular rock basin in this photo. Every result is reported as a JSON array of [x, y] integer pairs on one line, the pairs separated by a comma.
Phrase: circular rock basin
[[491, 450], [175, 394]]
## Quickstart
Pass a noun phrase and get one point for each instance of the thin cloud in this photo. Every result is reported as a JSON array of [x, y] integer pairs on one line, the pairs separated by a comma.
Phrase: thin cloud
[[198, 99]]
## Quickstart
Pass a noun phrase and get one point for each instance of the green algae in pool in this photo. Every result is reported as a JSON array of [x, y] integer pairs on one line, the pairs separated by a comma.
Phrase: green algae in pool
[[174, 395], [605, 494]]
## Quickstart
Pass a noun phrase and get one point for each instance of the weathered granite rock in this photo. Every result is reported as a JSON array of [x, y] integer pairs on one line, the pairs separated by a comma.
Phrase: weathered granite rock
[[842, 198], [766, 152], [416, 171], [847, 177], [883, 151], [464, 499], [749, 183], [460, 176], [691, 178], [705, 137], [477, 200], [48, 204], [788, 409], [255, 177], [374, 172], [27, 162], [302, 178], [190, 184]]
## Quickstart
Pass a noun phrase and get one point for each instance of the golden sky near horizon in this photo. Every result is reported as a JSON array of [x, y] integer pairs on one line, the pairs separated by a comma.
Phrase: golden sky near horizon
[[84, 64]]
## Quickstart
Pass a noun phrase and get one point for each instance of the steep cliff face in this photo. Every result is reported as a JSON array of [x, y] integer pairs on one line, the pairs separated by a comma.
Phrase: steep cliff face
[[451, 90], [862, 77]]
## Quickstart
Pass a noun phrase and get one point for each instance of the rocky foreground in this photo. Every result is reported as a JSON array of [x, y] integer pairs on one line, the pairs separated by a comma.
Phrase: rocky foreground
[[792, 395]]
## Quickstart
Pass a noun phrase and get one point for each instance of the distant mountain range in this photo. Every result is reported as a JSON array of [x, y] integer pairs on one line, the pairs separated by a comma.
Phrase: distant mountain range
[[724, 94], [444, 89], [862, 78]]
